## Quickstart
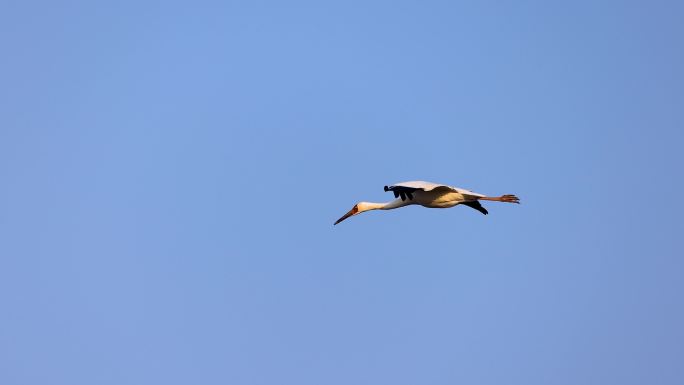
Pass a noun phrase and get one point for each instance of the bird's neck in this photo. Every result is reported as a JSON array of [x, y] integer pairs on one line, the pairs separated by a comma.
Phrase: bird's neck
[[383, 206], [374, 206]]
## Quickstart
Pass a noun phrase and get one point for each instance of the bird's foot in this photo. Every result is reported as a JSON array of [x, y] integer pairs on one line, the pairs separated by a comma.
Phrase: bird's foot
[[509, 198]]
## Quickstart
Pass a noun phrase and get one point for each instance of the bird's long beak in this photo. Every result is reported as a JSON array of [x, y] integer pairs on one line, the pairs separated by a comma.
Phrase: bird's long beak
[[353, 211]]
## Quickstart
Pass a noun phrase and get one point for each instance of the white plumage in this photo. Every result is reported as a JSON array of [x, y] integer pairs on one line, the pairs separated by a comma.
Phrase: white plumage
[[429, 186], [428, 194]]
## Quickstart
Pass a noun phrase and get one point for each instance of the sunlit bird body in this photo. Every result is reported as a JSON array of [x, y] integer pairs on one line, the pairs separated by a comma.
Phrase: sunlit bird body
[[430, 195]]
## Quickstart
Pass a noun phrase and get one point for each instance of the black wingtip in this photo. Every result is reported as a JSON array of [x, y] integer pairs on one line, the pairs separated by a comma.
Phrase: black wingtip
[[477, 206]]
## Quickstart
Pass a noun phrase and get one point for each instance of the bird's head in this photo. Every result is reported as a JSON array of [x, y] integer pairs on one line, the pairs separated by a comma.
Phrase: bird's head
[[357, 209]]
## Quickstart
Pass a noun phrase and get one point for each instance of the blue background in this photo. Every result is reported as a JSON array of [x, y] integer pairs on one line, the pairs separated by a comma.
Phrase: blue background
[[170, 173]]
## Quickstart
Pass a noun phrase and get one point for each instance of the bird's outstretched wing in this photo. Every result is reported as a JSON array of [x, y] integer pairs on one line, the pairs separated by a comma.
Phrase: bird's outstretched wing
[[402, 191], [476, 205], [409, 187]]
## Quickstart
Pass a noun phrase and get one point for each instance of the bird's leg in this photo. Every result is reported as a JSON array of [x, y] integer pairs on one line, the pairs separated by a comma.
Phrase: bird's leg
[[509, 198]]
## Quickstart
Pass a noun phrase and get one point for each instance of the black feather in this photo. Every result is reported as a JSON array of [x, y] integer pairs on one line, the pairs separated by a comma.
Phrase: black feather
[[477, 206]]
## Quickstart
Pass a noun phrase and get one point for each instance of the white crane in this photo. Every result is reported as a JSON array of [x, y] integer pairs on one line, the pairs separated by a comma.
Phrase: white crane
[[428, 194]]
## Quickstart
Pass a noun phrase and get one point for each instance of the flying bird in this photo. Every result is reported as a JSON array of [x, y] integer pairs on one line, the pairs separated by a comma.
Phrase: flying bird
[[426, 194]]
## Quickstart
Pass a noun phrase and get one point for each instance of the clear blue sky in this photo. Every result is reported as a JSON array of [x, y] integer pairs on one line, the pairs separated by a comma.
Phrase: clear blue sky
[[170, 173]]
